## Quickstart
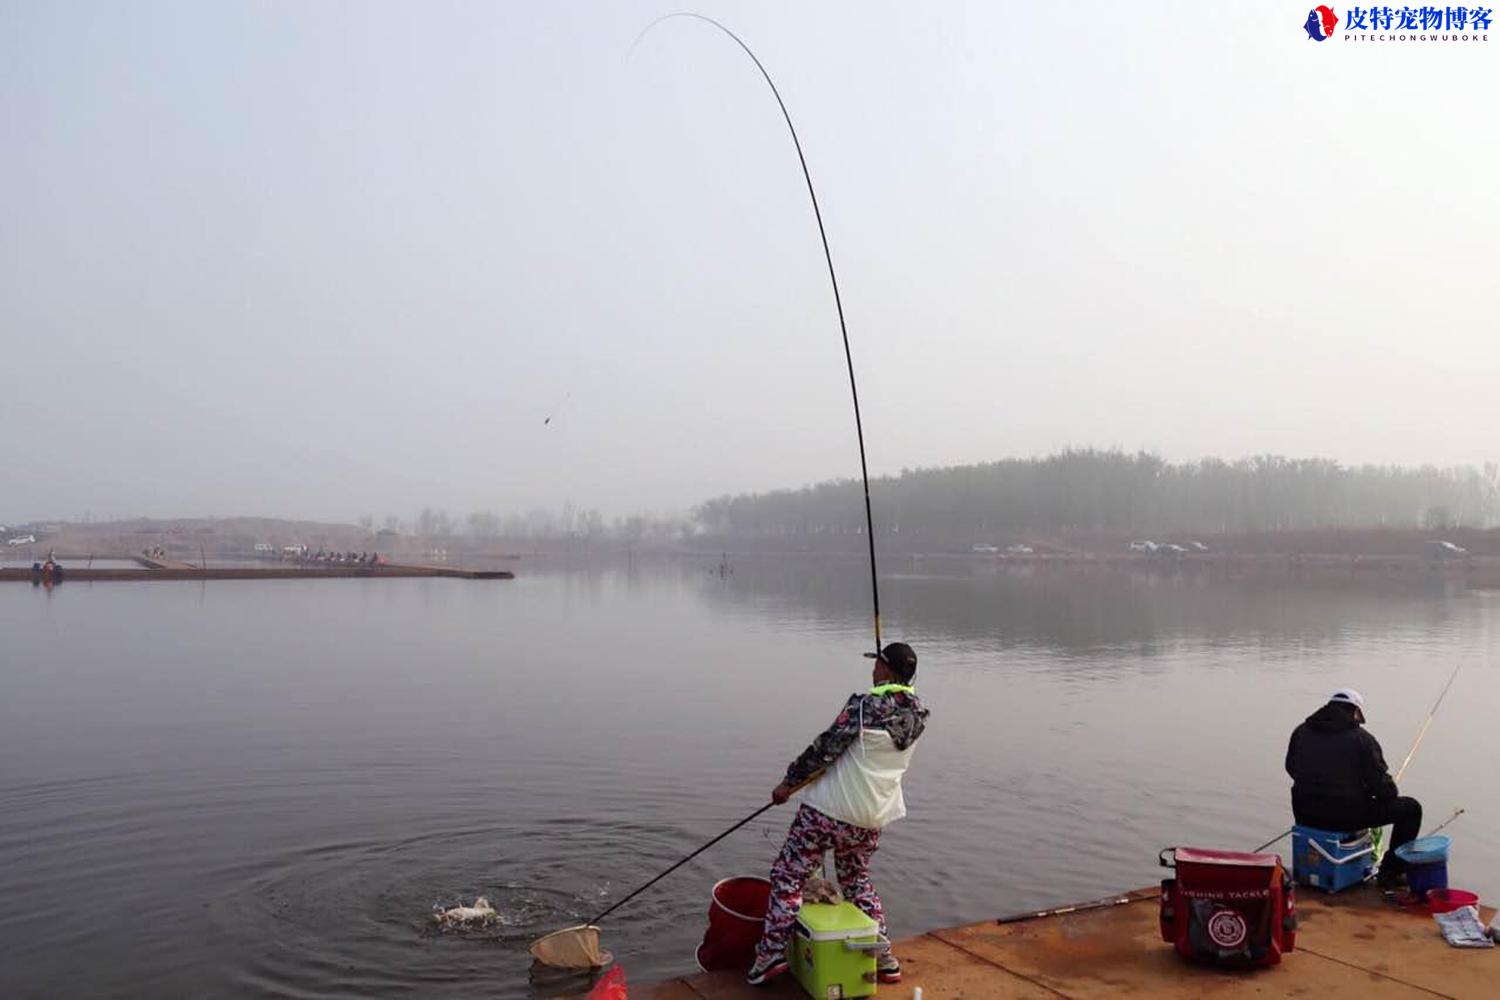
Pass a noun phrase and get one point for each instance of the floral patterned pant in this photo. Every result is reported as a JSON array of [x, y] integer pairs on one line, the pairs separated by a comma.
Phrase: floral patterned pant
[[812, 834]]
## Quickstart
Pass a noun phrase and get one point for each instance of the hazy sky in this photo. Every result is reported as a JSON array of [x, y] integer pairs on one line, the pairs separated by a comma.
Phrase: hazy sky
[[329, 259]]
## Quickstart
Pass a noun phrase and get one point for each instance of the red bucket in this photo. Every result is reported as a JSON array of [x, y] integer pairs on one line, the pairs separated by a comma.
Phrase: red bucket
[[1448, 900], [734, 920]]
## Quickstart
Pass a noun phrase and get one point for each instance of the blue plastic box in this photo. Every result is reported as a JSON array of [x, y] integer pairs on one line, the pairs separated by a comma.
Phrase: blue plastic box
[[1329, 860]]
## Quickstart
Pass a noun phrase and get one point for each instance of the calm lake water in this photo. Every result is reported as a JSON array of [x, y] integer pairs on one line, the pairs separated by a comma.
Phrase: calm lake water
[[245, 788]]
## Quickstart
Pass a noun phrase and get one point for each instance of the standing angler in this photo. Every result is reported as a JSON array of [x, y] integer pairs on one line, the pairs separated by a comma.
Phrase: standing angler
[[861, 758], [1340, 781]]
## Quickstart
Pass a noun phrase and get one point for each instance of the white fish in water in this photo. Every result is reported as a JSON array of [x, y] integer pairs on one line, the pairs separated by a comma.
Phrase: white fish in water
[[481, 914]]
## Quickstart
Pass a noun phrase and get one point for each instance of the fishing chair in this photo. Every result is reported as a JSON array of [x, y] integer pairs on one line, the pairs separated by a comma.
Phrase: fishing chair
[[1332, 860]]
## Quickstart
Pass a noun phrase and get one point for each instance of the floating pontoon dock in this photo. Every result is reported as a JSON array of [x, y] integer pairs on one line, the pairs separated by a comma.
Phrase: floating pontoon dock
[[173, 569]]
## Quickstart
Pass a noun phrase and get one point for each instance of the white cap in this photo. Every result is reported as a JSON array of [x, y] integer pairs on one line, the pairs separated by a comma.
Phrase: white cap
[[1350, 696]]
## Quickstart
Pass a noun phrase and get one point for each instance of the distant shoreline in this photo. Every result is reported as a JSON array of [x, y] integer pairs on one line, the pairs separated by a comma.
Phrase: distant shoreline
[[1468, 554]]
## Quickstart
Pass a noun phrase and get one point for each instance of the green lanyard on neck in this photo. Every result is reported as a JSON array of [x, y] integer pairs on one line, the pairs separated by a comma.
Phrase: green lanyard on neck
[[881, 689]]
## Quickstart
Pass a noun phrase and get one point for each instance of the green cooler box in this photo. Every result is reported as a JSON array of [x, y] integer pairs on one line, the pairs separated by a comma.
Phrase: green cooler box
[[833, 951]]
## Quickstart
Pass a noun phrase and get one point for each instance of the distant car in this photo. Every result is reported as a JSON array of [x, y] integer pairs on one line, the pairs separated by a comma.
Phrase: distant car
[[1019, 550], [1172, 548], [1446, 550], [1197, 547], [264, 547], [983, 548], [22, 540], [1143, 546]]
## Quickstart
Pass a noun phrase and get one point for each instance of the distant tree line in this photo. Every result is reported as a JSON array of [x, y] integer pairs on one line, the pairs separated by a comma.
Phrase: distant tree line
[[1087, 492], [537, 524]]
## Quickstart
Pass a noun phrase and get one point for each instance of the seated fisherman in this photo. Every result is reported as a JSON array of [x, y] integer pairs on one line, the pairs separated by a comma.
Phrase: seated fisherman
[[859, 760], [1340, 782]]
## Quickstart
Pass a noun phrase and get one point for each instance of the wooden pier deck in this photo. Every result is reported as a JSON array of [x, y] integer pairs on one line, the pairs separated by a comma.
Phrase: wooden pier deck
[[1352, 946], [151, 562]]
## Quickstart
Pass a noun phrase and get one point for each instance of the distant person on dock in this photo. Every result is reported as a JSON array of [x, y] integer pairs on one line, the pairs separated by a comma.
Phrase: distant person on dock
[[1340, 782], [855, 767]]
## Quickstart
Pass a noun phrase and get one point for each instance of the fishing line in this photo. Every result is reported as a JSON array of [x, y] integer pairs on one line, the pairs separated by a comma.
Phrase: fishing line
[[832, 279]]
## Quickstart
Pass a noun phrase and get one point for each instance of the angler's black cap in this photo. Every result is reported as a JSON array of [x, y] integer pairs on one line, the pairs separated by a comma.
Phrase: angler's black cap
[[900, 658]]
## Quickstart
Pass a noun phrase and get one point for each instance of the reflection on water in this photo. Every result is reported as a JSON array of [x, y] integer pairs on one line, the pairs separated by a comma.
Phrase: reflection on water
[[265, 787], [1083, 610]]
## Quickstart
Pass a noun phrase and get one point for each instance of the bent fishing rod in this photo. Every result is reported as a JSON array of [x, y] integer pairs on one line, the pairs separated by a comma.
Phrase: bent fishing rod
[[833, 280], [858, 428], [853, 391]]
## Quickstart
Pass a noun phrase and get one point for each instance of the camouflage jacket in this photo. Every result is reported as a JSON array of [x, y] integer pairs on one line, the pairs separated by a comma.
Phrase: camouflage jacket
[[898, 713]]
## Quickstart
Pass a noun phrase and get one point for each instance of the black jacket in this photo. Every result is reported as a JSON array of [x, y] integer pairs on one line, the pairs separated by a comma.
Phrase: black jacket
[[1336, 767]]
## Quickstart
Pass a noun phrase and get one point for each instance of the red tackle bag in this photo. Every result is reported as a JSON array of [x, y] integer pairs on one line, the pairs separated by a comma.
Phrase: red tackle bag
[[1227, 907]]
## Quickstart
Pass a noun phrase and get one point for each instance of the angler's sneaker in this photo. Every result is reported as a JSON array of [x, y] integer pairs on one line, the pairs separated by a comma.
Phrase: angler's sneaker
[[766, 969], [887, 969]]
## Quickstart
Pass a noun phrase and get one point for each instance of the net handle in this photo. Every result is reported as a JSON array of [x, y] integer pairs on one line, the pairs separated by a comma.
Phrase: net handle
[[684, 861], [732, 829]]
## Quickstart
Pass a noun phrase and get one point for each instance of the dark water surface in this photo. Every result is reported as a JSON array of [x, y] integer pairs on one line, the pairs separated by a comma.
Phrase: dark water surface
[[244, 789]]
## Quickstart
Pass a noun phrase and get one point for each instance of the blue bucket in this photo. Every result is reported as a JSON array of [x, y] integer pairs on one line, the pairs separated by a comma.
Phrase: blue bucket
[[1425, 850], [1426, 864]]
